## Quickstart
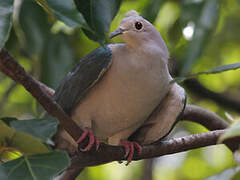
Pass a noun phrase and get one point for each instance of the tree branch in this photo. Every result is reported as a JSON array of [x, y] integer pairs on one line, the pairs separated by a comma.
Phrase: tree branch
[[192, 113], [10, 67], [204, 117], [107, 153]]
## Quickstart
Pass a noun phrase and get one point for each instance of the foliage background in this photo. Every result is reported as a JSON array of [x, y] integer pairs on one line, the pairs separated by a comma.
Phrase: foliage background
[[48, 47]]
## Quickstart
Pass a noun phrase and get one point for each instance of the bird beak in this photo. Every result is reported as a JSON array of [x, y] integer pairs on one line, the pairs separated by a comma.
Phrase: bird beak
[[116, 33]]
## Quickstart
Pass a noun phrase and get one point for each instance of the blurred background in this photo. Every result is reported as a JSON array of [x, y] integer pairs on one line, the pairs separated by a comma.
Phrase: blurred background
[[200, 35]]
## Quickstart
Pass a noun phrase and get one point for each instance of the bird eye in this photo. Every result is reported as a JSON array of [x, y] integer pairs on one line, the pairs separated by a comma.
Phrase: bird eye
[[138, 25]]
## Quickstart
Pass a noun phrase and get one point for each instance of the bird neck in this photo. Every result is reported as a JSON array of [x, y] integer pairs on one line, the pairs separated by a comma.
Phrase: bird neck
[[151, 51]]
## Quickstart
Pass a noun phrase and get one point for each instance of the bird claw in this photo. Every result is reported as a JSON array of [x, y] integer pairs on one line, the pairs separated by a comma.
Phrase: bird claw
[[129, 149], [92, 139]]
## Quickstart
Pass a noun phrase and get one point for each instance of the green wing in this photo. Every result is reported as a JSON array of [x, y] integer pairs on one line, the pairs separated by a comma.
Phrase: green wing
[[83, 76]]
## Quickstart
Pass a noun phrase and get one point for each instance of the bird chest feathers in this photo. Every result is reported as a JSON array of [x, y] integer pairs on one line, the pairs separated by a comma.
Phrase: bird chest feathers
[[140, 74], [130, 90]]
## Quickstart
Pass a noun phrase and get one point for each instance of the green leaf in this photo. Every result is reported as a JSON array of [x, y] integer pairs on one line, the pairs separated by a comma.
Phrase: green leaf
[[223, 68], [34, 27], [204, 27], [232, 131], [21, 141], [56, 59], [8, 120], [178, 79], [215, 70], [35, 167], [99, 15], [10, 154], [2, 173], [151, 9], [43, 3], [6, 9], [43, 129], [66, 11], [175, 33]]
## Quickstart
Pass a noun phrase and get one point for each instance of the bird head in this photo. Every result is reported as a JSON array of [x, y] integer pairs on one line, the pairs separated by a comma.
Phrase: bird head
[[138, 33]]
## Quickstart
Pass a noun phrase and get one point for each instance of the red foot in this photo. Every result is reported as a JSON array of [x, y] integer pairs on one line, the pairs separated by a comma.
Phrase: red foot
[[129, 149], [92, 139]]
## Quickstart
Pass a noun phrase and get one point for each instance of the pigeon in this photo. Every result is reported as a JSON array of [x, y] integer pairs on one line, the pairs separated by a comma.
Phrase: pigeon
[[122, 94]]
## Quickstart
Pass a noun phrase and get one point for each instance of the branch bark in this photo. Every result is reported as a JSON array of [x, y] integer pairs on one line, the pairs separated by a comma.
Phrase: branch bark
[[204, 117], [108, 153], [10, 67], [192, 113]]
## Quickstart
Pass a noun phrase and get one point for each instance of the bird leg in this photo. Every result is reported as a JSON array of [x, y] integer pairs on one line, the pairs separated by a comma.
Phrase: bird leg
[[92, 139], [129, 149]]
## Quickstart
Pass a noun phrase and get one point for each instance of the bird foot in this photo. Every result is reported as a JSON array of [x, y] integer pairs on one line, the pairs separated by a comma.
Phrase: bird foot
[[92, 139], [129, 149]]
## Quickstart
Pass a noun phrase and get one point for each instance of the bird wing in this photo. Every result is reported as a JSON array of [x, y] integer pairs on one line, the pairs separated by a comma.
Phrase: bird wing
[[84, 75], [163, 119]]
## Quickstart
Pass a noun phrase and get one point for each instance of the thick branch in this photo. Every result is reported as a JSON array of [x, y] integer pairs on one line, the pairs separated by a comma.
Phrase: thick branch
[[191, 113], [10, 67], [204, 117], [108, 153]]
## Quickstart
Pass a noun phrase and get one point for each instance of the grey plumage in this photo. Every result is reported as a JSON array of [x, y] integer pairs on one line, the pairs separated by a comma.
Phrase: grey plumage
[[124, 90]]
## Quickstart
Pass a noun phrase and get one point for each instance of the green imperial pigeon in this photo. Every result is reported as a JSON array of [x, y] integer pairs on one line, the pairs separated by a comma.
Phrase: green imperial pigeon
[[121, 94]]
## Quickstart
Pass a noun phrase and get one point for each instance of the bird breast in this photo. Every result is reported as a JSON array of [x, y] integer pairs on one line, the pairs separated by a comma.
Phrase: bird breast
[[127, 94]]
